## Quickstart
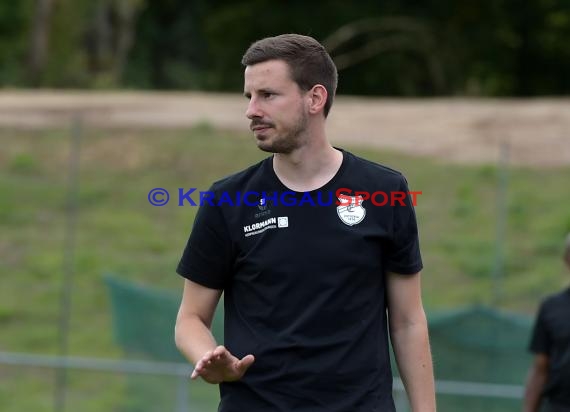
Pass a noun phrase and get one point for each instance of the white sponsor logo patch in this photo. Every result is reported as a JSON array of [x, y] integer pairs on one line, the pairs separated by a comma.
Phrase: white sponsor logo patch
[[283, 221]]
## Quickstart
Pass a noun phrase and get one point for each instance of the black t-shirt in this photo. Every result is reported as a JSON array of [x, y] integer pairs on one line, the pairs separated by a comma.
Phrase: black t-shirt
[[304, 284], [551, 336]]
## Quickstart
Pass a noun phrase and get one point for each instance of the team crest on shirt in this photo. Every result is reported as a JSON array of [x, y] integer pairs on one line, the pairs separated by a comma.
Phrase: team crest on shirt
[[350, 210]]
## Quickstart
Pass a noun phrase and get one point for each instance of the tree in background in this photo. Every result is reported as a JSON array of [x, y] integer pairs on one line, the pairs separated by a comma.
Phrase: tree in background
[[79, 43], [171, 47], [39, 40], [110, 36], [387, 35], [389, 48], [14, 24]]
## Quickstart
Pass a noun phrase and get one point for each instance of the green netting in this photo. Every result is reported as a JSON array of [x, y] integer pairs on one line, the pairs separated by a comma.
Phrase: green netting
[[482, 345], [144, 319], [143, 326], [475, 344]]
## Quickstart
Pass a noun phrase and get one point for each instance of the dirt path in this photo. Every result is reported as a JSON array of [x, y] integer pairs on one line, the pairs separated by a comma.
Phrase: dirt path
[[462, 130]]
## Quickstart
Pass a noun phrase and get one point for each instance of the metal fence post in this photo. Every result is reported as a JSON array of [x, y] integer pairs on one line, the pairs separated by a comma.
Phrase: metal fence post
[[182, 398]]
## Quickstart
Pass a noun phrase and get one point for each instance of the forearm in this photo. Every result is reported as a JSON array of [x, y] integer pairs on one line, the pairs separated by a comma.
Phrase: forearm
[[411, 347], [533, 391], [193, 338]]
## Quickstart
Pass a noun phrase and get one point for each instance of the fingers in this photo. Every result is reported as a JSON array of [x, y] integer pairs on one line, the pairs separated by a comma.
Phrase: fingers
[[201, 365], [221, 364], [210, 358], [220, 352], [198, 369]]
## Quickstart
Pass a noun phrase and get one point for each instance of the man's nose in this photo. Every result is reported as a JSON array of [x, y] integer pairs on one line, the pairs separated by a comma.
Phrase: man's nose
[[253, 109]]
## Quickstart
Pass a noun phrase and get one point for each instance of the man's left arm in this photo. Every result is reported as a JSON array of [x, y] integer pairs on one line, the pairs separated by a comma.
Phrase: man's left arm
[[409, 336]]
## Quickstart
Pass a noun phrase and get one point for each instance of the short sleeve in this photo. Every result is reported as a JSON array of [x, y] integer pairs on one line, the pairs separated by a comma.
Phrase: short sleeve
[[404, 255], [208, 256], [540, 341]]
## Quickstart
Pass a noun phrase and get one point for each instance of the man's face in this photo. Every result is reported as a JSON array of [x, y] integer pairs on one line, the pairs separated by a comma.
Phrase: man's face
[[277, 108]]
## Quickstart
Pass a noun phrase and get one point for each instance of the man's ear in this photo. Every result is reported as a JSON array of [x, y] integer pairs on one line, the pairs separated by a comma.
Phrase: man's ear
[[317, 98]]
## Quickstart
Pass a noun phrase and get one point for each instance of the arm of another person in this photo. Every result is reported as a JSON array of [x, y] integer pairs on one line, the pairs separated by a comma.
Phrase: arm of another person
[[409, 336], [536, 380], [195, 341]]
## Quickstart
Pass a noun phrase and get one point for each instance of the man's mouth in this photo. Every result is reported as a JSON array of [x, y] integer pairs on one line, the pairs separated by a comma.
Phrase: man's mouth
[[260, 127]]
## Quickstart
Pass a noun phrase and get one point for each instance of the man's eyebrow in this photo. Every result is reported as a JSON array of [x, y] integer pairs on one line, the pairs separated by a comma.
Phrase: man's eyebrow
[[265, 90]]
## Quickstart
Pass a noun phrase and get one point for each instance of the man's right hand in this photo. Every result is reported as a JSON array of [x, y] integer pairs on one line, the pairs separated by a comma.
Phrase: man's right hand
[[220, 365]]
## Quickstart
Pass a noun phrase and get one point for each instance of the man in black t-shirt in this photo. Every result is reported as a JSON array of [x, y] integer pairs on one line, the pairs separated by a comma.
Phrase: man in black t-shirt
[[549, 376], [316, 252]]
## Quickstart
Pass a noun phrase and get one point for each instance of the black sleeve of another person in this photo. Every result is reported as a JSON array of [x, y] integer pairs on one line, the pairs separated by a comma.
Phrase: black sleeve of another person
[[404, 250], [540, 338], [208, 256]]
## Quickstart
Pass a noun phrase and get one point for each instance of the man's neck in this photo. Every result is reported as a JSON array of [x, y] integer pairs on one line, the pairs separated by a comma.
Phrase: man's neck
[[309, 167]]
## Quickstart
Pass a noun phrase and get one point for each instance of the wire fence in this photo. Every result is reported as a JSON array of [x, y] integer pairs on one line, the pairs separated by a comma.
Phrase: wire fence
[[174, 376], [184, 402]]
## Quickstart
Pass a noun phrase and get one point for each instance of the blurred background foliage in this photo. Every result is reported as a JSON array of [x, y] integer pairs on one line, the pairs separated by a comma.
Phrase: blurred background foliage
[[390, 48]]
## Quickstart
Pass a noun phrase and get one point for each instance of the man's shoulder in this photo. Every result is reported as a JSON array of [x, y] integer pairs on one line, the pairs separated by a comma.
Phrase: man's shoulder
[[562, 296], [376, 169], [239, 179], [558, 298]]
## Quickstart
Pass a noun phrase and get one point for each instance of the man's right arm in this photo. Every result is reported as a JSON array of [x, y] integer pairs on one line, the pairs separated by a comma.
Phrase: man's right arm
[[536, 380], [194, 339], [192, 333]]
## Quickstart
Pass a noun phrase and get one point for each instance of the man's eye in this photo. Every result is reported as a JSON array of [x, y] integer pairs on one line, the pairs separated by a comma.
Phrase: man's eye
[[268, 95]]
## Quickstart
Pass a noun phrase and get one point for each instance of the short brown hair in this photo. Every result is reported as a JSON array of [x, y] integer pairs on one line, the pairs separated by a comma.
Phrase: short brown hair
[[308, 61]]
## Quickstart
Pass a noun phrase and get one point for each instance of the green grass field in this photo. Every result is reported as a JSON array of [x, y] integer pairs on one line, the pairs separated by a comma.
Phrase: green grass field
[[119, 232]]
